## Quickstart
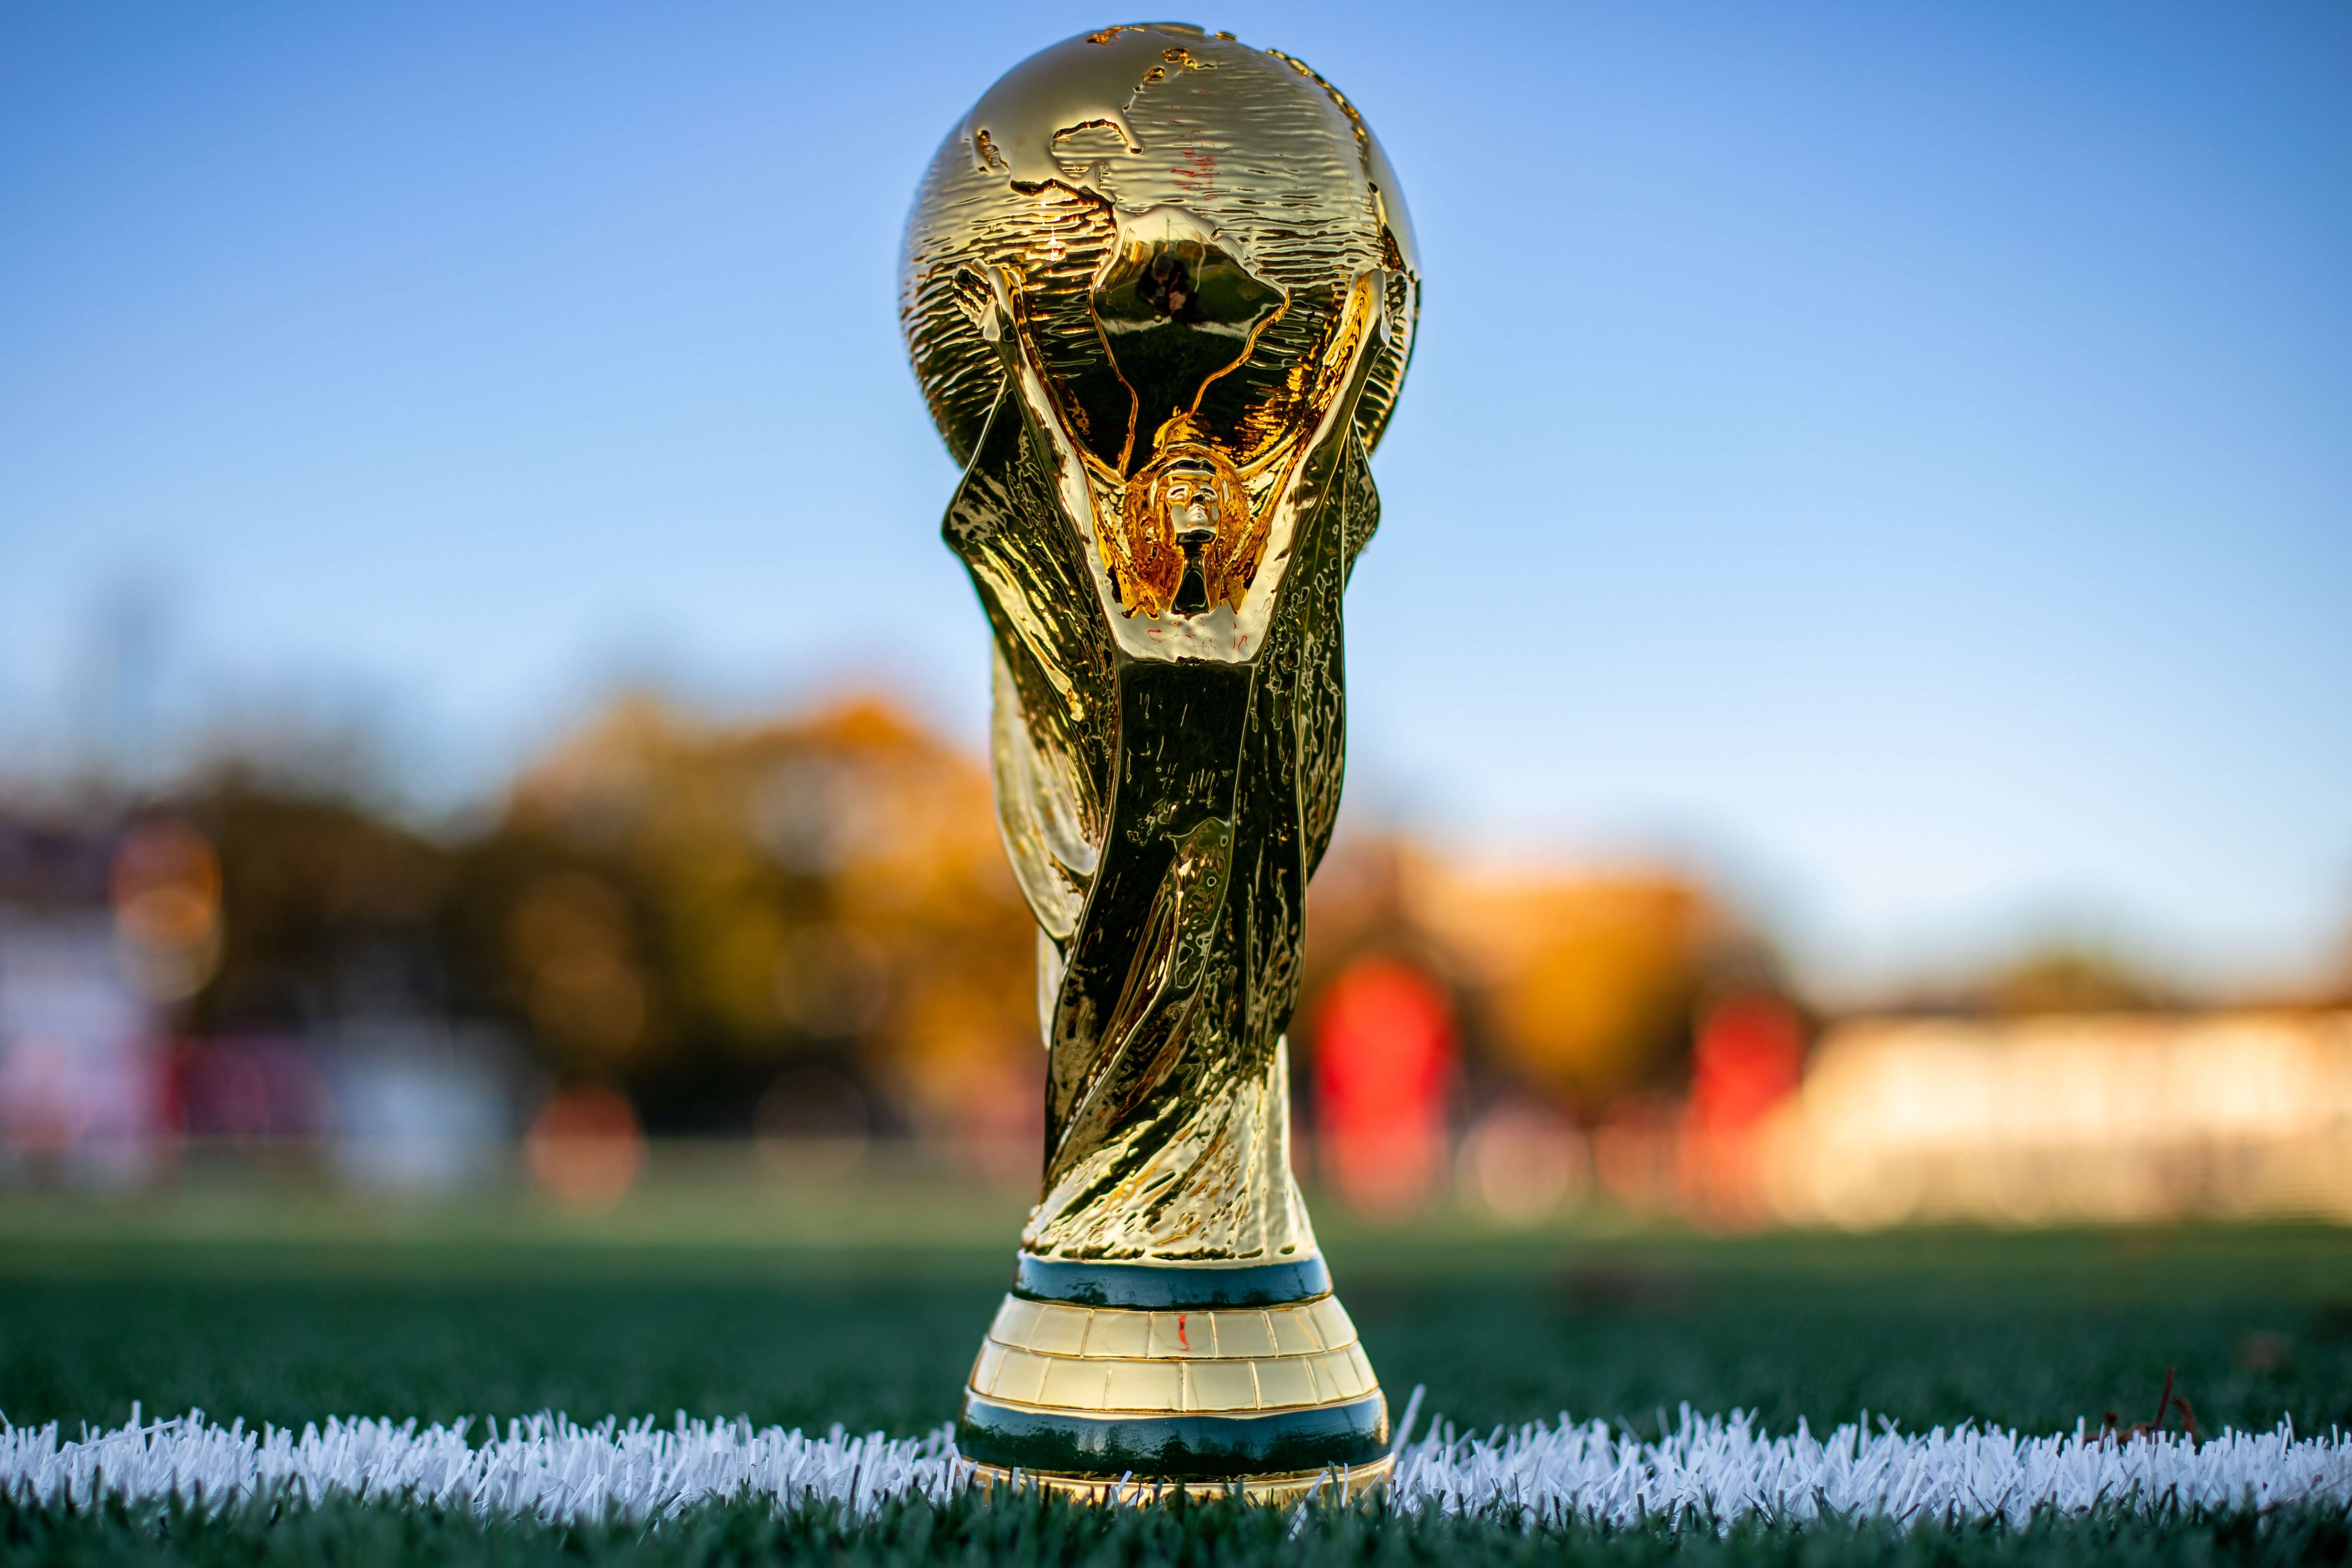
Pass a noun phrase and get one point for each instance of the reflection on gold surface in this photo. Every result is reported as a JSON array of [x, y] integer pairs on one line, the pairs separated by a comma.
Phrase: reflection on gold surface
[[1159, 291]]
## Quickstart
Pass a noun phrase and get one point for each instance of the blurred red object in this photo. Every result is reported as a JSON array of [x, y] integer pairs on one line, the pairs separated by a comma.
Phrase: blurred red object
[[1749, 1055], [585, 1148], [1384, 1055]]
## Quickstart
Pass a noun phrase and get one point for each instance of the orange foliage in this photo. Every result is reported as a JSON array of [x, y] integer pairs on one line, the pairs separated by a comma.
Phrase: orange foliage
[[833, 886]]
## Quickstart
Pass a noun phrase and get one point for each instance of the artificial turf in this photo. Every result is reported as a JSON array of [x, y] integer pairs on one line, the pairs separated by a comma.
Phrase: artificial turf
[[2035, 1331], [1035, 1532]]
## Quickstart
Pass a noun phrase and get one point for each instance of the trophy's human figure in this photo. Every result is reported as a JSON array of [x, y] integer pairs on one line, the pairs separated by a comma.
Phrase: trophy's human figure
[[1194, 496]]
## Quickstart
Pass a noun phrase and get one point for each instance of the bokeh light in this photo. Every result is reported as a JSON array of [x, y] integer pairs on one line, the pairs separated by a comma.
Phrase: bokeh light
[[585, 1148]]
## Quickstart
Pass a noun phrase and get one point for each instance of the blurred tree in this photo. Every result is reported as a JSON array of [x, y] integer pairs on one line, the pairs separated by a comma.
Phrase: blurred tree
[[688, 911], [328, 910], [1577, 988], [713, 917], [2066, 977], [1589, 982]]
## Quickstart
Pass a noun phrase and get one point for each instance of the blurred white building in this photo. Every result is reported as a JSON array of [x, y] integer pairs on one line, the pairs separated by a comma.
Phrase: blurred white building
[[81, 1054], [2049, 1119], [106, 933], [420, 1103]]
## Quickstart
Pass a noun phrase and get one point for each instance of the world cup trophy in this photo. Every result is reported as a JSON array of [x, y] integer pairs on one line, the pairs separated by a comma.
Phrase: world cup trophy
[[1160, 290]]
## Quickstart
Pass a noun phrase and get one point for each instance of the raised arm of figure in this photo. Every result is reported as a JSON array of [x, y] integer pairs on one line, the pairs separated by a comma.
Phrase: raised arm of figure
[[994, 299]]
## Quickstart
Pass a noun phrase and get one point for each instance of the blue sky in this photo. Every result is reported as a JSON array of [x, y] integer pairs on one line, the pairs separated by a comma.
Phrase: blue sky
[[1898, 456]]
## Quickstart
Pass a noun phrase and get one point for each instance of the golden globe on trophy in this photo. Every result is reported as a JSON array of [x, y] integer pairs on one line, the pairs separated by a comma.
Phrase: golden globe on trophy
[[1160, 290]]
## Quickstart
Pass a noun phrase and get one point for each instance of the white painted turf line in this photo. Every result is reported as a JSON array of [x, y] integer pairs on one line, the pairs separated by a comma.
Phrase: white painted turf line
[[550, 1467]]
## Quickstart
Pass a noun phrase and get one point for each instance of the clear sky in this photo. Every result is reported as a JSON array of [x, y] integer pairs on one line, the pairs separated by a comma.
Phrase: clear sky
[[1900, 455]]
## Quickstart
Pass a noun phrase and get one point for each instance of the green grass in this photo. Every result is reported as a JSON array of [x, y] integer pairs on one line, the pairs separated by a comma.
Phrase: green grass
[[2034, 1331], [472, 1316], [1047, 1532]]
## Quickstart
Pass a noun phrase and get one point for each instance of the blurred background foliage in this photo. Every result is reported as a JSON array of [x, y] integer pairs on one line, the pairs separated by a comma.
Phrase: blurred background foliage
[[801, 931], [677, 910]]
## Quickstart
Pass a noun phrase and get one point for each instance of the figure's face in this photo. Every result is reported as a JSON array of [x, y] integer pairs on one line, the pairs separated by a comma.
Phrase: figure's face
[[1193, 506]]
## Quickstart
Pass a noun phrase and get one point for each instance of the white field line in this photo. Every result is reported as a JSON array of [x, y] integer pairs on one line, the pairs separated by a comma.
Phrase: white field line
[[551, 1468]]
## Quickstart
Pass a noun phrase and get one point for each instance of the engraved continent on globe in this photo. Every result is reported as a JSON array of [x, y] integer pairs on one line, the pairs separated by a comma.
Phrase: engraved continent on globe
[[1130, 131]]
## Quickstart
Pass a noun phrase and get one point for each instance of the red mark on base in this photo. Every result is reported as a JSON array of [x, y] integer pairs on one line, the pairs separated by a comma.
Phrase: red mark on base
[[1179, 1333]]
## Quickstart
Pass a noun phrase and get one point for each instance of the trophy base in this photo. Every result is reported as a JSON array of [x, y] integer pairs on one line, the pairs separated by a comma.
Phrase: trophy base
[[1337, 1483], [1127, 1380]]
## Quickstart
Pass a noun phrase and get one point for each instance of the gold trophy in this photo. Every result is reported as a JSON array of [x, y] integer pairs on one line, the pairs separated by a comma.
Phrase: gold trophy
[[1160, 290]]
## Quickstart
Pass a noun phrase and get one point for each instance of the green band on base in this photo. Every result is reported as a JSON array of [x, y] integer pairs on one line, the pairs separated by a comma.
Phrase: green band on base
[[1170, 1287]]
